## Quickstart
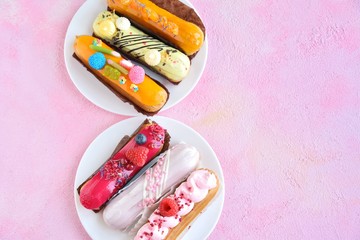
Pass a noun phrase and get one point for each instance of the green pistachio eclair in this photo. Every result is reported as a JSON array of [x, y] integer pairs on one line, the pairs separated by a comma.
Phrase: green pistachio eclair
[[163, 59]]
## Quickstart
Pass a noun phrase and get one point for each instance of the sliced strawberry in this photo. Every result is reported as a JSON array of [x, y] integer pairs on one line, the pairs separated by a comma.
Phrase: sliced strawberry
[[168, 207], [137, 155]]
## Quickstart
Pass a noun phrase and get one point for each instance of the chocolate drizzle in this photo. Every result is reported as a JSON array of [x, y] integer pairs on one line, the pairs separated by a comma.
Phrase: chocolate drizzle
[[127, 41], [122, 40]]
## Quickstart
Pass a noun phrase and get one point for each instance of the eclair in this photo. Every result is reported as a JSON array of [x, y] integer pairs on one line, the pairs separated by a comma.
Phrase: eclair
[[172, 168], [170, 20], [178, 210], [139, 46], [121, 76], [148, 141]]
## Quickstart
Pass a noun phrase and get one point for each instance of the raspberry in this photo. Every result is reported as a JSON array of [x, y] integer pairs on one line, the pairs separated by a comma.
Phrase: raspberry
[[168, 207], [129, 166], [137, 155]]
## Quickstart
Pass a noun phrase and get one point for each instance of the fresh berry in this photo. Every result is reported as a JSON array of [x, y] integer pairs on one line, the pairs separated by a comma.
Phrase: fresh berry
[[168, 207], [137, 155], [140, 139], [124, 161], [129, 166]]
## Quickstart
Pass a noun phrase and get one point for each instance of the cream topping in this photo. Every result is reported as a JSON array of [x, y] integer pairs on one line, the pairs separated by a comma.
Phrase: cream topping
[[123, 23], [193, 190]]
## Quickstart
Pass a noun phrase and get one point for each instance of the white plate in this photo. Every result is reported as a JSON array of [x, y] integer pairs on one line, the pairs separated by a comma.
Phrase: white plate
[[102, 147], [95, 91]]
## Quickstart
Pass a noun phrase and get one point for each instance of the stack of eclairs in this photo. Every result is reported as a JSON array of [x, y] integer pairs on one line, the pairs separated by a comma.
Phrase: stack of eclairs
[[162, 202], [162, 35]]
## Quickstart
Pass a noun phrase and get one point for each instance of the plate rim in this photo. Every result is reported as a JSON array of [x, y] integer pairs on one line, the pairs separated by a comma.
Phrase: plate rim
[[220, 174]]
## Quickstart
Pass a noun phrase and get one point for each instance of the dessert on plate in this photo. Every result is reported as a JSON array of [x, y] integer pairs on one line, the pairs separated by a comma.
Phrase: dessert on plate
[[133, 206], [178, 210], [170, 20], [139, 46], [126, 80], [129, 157]]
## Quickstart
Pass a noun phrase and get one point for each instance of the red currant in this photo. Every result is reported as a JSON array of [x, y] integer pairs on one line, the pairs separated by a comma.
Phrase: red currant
[[129, 166]]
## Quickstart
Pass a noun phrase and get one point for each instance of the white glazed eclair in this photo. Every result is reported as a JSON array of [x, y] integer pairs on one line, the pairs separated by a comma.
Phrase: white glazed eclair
[[172, 168]]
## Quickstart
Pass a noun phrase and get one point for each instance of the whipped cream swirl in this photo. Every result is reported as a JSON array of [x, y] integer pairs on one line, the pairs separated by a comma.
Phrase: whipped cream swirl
[[192, 191]]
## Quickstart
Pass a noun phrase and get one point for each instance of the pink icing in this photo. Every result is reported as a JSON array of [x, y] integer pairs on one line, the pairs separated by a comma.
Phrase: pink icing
[[162, 221], [185, 205], [113, 175], [202, 179], [200, 182], [154, 182], [153, 232], [196, 186]]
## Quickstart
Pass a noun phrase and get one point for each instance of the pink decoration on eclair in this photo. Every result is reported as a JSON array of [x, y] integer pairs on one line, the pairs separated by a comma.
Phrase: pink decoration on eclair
[[120, 168], [190, 192], [137, 74]]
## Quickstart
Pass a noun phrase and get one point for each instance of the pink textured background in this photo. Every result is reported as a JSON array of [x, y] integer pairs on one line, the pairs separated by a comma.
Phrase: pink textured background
[[280, 93]]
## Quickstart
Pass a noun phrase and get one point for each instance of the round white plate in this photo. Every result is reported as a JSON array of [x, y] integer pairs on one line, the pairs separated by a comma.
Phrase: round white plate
[[102, 147], [99, 94]]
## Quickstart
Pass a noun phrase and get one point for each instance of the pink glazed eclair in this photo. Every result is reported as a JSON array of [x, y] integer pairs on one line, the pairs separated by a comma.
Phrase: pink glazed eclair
[[147, 142], [136, 203]]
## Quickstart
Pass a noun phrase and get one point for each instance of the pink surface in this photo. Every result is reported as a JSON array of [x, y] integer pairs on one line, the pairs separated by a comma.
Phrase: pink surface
[[280, 93]]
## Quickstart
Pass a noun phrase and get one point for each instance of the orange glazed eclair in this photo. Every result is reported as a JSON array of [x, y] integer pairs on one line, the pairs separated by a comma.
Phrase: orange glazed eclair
[[170, 20], [127, 81]]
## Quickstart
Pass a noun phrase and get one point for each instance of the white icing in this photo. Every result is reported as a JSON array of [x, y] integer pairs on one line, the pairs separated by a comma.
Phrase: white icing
[[194, 190], [152, 57]]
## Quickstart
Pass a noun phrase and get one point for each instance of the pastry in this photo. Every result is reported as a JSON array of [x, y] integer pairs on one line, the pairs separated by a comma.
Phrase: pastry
[[120, 75], [172, 168], [148, 141], [170, 20], [139, 46], [178, 210]]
